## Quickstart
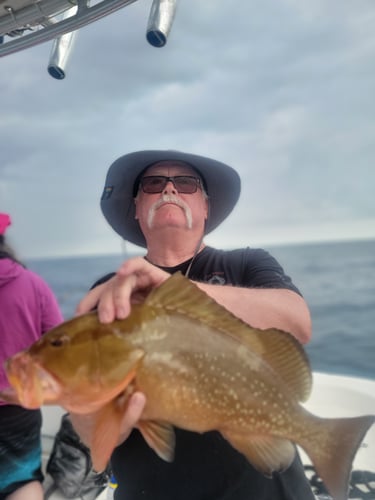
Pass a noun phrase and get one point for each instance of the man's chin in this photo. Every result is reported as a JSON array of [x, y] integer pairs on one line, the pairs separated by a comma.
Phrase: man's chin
[[171, 221], [155, 226]]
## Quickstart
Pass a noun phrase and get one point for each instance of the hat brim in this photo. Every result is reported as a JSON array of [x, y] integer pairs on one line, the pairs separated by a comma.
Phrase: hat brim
[[117, 203]]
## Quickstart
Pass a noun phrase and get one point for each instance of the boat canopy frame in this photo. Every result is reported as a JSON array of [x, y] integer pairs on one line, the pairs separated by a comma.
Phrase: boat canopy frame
[[40, 18]]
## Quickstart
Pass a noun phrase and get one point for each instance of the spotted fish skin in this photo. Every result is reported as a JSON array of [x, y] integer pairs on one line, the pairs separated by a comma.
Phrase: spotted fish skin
[[201, 369]]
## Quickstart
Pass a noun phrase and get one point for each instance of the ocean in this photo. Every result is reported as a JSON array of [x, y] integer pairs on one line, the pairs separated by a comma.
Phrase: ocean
[[336, 279]]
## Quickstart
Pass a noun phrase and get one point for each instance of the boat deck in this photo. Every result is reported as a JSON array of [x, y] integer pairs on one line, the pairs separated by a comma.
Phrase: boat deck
[[51, 424]]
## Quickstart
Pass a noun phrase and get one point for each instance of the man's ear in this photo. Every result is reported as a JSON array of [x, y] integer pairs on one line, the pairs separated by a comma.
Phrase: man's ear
[[207, 209], [135, 205]]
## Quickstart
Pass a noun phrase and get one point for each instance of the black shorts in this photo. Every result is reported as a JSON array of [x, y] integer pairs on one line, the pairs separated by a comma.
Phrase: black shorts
[[20, 448]]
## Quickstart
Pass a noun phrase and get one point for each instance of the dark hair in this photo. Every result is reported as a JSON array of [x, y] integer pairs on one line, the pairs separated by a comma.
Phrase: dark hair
[[7, 252]]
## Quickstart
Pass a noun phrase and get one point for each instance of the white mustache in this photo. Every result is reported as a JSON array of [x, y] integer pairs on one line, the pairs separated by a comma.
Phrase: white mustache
[[170, 198]]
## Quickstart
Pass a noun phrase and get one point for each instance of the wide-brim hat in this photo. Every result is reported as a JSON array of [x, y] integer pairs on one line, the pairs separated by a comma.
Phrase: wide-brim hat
[[222, 183]]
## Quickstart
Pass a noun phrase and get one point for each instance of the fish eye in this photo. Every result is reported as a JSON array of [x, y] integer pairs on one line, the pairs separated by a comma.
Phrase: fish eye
[[59, 341]]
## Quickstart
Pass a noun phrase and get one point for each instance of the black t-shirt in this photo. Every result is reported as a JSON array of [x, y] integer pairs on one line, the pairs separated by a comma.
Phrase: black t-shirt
[[206, 466], [247, 267]]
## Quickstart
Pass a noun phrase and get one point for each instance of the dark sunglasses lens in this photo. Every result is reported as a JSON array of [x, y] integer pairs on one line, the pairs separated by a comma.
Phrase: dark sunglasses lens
[[153, 184], [156, 184], [185, 184]]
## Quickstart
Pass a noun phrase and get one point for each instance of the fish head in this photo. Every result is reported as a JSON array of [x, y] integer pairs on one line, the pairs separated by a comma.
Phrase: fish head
[[31, 384], [80, 365]]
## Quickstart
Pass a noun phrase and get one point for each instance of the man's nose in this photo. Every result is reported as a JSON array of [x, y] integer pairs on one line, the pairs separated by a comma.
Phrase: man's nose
[[170, 187]]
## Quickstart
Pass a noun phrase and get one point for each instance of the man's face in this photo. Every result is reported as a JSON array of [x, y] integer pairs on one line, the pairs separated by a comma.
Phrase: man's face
[[171, 208]]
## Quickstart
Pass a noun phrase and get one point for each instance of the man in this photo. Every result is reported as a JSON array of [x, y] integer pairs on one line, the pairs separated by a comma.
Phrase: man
[[167, 201]]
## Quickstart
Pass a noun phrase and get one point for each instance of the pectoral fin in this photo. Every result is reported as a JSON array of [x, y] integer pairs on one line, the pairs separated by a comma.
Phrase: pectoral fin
[[106, 433], [101, 430], [266, 453], [160, 436]]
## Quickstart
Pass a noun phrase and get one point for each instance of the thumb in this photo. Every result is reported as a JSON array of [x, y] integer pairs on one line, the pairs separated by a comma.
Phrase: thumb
[[133, 412]]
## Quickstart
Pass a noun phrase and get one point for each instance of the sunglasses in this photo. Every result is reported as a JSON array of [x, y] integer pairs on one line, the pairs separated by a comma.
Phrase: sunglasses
[[186, 184]]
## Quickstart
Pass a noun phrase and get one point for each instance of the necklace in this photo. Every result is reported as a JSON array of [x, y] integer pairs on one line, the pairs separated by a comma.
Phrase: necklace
[[196, 251]]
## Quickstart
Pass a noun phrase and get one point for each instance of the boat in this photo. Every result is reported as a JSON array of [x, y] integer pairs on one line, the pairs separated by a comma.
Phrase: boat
[[333, 395], [336, 395]]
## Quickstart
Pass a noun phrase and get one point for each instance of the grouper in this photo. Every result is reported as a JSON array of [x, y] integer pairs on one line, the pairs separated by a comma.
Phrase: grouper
[[201, 369]]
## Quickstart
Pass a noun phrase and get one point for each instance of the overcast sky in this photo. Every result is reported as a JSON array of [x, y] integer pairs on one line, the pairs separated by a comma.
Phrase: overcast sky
[[282, 90]]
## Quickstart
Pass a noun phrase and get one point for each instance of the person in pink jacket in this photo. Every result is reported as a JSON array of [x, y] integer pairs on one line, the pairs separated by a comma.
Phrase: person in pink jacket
[[28, 308]]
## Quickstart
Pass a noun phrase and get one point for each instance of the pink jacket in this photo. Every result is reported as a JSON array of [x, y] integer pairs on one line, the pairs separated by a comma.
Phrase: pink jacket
[[28, 308]]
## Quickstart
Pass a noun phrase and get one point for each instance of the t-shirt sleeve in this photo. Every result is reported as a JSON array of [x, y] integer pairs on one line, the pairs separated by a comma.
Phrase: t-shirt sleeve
[[264, 271]]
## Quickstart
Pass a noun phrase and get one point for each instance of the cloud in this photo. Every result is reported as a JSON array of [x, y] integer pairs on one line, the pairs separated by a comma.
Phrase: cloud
[[282, 90]]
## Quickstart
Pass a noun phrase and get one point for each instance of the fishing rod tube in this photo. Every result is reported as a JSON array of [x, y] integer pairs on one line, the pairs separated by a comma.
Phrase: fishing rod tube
[[61, 50], [160, 21]]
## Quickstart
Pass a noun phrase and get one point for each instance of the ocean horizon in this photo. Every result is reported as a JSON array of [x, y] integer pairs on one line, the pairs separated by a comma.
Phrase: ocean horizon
[[337, 279]]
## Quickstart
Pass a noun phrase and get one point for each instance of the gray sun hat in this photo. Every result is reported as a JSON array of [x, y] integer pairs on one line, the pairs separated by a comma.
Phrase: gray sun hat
[[222, 183]]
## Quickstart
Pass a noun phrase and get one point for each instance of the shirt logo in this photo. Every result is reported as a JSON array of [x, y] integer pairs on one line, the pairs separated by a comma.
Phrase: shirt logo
[[216, 279]]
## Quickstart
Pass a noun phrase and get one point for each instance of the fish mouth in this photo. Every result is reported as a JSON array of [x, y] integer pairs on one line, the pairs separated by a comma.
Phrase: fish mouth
[[33, 385]]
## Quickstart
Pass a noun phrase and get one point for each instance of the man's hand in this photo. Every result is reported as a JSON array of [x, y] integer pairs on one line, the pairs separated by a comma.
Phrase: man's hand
[[132, 414], [84, 425], [131, 284]]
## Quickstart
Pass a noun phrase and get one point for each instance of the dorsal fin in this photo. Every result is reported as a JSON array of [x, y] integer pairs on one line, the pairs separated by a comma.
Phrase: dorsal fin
[[279, 349]]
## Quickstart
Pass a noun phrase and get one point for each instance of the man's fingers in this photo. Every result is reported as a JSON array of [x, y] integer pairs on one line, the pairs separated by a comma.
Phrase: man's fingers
[[132, 282], [111, 299], [148, 275], [133, 413], [136, 265], [123, 288], [90, 300]]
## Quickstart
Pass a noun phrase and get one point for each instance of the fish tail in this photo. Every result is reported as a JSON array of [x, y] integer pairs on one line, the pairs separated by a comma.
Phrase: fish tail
[[333, 449]]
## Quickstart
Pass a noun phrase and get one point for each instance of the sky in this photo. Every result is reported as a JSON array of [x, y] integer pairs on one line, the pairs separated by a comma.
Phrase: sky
[[281, 90]]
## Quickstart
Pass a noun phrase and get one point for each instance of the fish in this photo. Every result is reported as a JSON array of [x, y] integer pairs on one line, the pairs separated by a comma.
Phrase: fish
[[201, 369]]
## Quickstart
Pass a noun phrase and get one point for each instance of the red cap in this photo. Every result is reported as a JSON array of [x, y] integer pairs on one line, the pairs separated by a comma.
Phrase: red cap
[[4, 222]]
